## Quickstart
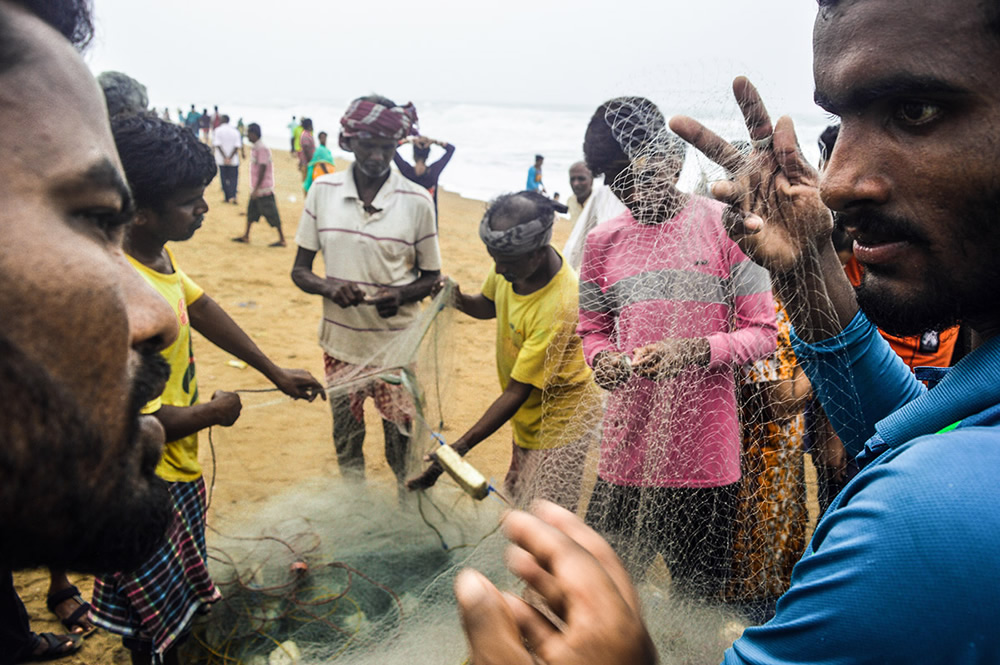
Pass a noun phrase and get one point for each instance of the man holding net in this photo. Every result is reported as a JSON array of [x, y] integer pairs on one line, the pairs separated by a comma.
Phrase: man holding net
[[377, 233], [548, 394], [668, 306], [903, 566]]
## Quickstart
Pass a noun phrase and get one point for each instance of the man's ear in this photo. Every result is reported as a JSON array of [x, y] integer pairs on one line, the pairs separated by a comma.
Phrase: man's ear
[[142, 217]]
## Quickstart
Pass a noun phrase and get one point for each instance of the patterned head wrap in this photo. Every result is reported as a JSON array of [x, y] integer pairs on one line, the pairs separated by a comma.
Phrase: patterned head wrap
[[520, 239], [367, 120]]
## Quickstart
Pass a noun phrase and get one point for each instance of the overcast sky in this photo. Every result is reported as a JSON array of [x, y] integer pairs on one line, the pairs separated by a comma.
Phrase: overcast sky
[[523, 52]]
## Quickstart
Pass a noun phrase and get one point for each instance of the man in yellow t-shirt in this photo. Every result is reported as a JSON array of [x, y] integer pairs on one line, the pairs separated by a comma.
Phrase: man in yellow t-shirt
[[153, 605], [548, 395]]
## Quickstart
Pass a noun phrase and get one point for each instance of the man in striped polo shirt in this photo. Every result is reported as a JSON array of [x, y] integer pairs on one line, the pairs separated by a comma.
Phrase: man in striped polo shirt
[[377, 235], [669, 305]]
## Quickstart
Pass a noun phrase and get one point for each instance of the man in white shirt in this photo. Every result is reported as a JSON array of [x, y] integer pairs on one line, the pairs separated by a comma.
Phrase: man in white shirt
[[377, 234], [228, 144]]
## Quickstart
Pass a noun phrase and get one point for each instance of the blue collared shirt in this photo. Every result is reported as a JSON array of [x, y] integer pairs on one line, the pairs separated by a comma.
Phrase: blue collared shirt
[[905, 565]]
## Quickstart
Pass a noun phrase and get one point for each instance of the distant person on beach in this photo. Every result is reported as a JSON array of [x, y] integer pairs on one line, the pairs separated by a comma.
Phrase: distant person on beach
[[153, 605], [262, 202], [534, 183], [216, 120], [419, 172], [292, 126], [307, 143], [205, 126], [123, 93], [549, 396], [297, 139], [320, 164], [78, 488], [667, 475], [581, 181], [376, 232], [228, 146], [192, 120]]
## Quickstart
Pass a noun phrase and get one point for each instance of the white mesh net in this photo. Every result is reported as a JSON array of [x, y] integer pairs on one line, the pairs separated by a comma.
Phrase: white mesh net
[[690, 459]]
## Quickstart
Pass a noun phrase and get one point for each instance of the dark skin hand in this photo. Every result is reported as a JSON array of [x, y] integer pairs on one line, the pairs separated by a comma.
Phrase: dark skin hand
[[180, 421], [777, 217], [581, 580], [387, 300], [219, 328], [500, 411]]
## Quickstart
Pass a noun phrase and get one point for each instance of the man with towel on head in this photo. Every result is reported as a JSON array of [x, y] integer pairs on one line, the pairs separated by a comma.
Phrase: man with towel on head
[[549, 397], [376, 232]]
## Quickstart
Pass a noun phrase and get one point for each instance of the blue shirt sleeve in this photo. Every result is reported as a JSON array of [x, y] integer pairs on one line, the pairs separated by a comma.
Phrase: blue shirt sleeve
[[902, 569], [858, 378]]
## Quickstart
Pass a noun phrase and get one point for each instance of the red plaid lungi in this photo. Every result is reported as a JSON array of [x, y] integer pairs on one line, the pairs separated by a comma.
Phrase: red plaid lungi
[[392, 401]]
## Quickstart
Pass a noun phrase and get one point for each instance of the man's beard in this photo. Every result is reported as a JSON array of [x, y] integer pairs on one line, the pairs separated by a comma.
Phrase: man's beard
[[374, 171], [944, 298], [51, 512]]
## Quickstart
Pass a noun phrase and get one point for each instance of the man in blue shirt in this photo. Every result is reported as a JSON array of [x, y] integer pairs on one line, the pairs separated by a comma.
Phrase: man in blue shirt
[[534, 183], [903, 567]]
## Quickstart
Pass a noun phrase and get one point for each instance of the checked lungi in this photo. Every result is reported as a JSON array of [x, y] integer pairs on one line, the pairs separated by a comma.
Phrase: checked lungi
[[154, 605]]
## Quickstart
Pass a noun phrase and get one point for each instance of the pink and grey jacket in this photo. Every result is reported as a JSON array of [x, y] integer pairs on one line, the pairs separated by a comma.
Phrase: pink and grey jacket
[[642, 283]]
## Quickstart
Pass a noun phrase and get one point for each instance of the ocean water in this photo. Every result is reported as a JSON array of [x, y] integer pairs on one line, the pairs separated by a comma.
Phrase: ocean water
[[496, 144]]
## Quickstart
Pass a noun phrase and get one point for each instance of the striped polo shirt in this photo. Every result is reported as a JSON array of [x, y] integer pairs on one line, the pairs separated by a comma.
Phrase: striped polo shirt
[[684, 278], [389, 247]]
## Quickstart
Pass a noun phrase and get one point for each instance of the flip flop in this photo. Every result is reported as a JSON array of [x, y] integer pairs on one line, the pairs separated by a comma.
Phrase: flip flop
[[278, 244], [55, 647], [56, 598], [240, 239]]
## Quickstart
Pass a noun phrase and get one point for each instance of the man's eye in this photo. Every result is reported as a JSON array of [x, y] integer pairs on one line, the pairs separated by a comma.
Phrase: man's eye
[[917, 113]]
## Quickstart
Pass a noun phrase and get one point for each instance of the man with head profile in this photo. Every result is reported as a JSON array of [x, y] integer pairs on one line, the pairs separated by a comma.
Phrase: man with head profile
[[376, 232], [79, 349], [902, 567]]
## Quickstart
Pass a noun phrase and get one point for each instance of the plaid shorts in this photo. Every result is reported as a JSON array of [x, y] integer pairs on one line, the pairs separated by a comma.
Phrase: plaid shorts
[[153, 606], [392, 401]]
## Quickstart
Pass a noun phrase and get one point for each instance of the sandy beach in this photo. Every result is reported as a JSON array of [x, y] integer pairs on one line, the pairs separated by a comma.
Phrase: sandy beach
[[277, 443]]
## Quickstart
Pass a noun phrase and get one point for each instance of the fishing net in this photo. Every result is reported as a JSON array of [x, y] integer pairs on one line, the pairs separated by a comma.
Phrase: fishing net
[[694, 455]]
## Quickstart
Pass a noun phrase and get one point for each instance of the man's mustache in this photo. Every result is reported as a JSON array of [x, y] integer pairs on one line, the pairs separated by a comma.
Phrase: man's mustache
[[879, 225]]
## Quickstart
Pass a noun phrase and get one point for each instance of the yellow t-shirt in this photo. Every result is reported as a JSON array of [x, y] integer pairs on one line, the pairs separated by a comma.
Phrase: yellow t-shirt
[[537, 344], [180, 458]]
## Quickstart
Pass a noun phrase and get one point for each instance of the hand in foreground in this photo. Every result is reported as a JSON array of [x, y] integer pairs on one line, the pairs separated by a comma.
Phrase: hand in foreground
[[345, 294], [775, 212], [665, 359], [584, 584], [387, 301], [299, 384], [227, 407], [612, 369]]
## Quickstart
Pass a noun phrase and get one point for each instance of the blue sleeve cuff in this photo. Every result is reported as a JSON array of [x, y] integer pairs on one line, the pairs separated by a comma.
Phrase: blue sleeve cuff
[[858, 379]]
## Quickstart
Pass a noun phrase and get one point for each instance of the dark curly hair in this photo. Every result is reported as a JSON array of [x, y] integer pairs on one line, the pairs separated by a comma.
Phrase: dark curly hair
[[160, 158], [71, 18]]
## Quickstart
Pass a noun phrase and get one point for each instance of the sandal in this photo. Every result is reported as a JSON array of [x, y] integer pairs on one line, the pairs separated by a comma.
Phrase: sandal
[[77, 619], [56, 646]]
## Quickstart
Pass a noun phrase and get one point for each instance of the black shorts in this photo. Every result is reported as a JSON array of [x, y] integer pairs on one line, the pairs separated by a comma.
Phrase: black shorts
[[264, 206]]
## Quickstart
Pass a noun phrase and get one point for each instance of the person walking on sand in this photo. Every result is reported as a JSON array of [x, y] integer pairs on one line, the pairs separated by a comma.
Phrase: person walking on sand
[[228, 146], [262, 202]]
